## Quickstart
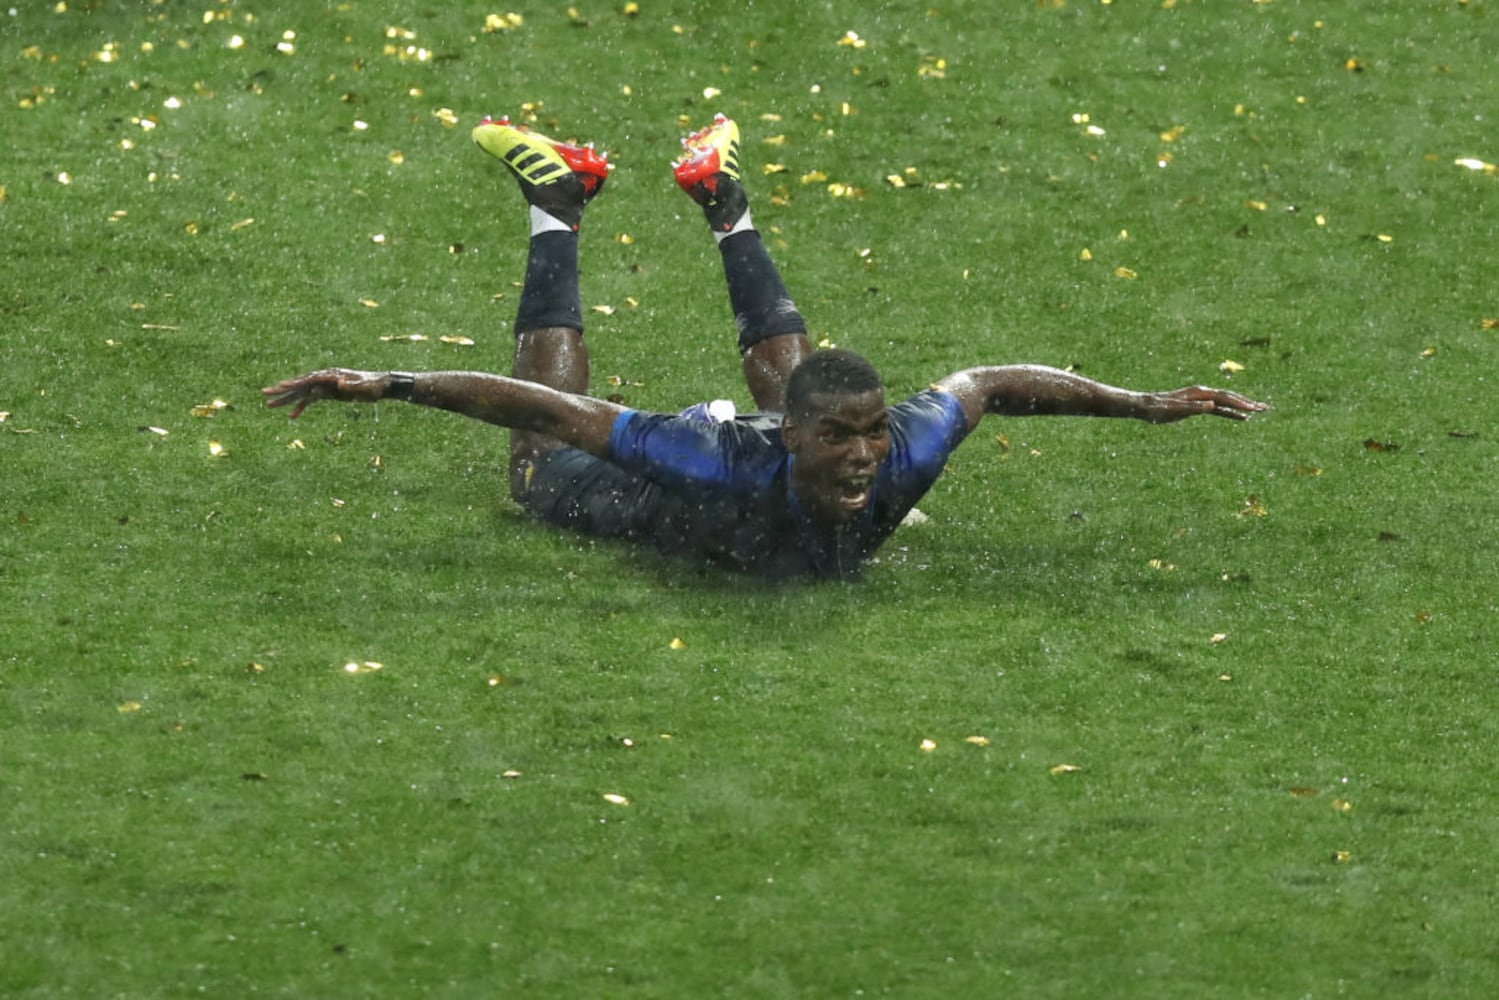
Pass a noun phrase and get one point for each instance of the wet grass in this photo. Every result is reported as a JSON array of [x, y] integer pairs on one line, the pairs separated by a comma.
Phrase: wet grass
[[1261, 652]]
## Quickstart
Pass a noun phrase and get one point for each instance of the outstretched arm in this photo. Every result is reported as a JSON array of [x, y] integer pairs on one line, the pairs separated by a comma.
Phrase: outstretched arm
[[581, 421], [1027, 390]]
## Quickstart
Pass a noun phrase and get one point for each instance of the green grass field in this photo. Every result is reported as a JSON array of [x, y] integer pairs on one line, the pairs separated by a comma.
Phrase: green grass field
[[1206, 710]]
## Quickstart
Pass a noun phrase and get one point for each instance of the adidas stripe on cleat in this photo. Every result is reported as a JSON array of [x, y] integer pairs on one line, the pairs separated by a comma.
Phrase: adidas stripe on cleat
[[707, 154], [557, 177]]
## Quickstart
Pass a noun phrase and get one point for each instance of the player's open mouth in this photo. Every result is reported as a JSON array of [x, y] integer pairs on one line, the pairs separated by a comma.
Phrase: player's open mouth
[[853, 494]]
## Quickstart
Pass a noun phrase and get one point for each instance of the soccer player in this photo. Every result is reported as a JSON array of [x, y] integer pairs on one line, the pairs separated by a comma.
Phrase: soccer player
[[808, 486]]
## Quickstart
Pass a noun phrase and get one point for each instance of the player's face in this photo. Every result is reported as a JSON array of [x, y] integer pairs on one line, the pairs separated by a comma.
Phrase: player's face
[[838, 444]]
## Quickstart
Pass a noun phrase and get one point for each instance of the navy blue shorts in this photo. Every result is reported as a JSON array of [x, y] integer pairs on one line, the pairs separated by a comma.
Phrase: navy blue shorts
[[576, 490]]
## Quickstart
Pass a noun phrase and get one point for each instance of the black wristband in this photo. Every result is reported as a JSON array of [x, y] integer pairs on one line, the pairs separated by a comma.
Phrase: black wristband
[[400, 386]]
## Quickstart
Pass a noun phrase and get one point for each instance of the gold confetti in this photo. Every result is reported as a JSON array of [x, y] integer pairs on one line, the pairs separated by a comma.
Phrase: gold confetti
[[814, 177], [676, 644], [603, 310], [447, 116], [216, 450], [1257, 205], [1472, 163], [415, 338], [1066, 769], [255, 668], [1252, 508], [1124, 272], [502, 22], [616, 799], [1384, 237], [624, 238], [369, 303], [209, 409], [1341, 857], [363, 666], [978, 741], [774, 168], [456, 340], [126, 707], [630, 9], [1342, 805], [1085, 254], [1230, 367], [932, 68], [1161, 564], [396, 157], [295, 444], [378, 238], [160, 431], [927, 746], [852, 40], [1217, 637], [510, 775]]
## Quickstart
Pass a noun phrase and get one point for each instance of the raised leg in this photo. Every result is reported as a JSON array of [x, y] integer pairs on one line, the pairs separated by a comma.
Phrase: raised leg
[[558, 179], [772, 333]]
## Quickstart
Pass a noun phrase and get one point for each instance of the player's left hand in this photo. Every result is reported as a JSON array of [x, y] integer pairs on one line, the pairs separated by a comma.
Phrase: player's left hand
[[1196, 400], [342, 384]]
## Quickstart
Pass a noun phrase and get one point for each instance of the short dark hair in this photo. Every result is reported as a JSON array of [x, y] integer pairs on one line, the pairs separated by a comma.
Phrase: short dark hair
[[833, 371]]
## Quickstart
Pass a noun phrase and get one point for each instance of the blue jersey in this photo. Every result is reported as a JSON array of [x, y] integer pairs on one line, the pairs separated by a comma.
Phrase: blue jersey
[[723, 491]]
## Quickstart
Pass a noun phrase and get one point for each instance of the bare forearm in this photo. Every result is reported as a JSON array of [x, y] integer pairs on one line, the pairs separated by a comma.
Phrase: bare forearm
[[1036, 390], [578, 420]]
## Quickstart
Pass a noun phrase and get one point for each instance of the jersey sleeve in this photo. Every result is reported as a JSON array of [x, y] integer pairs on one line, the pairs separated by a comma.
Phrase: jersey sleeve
[[678, 452], [924, 431]]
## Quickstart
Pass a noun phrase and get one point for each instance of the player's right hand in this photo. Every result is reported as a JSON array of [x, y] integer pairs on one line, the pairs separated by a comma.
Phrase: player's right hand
[[342, 384]]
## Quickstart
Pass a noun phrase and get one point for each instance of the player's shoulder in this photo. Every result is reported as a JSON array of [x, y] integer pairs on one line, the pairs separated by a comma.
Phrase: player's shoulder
[[932, 405]]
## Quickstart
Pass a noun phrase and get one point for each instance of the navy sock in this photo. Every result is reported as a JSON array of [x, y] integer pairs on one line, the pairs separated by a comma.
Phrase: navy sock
[[550, 295], [762, 306]]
